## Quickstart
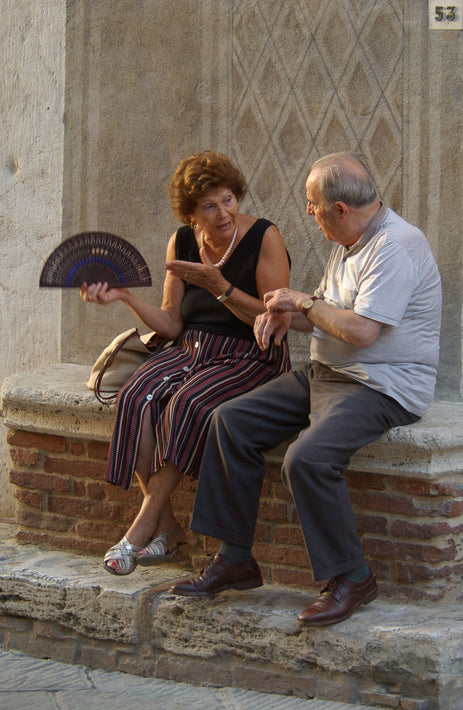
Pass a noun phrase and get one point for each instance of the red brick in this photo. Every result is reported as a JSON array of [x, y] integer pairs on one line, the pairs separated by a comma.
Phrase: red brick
[[281, 555], [102, 490], [381, 569], [423, 531], [87, 547], [273, 471], [339, 691], [41, 481], [76, 448], [263, 532], [394, 549], [414, 704], [302, 579], [100, 531], [97, 450], [266, 490], [24, 457], [41, 521], [290, 534], [371, 524], [455, 509], [24, 537], [412, 593], [428, 488], [79, 489], [84, 508], [264, 681], [407, 506], [183, 500], [382, 699], [30, 498], [188, 484], [96, 490], [186, 671], [270, 510], [365, 481], [69, 467], [127, 514], [356, 497], [33, 440], [280, 492], [409, 572], [200, 560]]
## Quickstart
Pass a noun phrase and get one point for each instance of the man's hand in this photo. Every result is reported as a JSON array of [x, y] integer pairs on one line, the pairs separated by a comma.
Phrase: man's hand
[[284, 300], [267, 325]]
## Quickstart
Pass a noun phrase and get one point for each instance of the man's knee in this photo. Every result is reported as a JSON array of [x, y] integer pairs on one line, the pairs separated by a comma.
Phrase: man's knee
[[222, 418], [291, 463], [305, 457]]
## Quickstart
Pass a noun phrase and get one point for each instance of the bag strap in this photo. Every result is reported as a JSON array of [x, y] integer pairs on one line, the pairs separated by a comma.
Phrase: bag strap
[[109, 397]]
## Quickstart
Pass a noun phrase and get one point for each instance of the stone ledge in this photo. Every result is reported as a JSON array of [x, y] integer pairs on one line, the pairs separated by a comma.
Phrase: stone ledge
[[65, 606], [55, 400]]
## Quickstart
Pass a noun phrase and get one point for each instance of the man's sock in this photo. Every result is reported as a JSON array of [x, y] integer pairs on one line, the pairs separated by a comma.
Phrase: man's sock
[[358, 575], [234, 553]]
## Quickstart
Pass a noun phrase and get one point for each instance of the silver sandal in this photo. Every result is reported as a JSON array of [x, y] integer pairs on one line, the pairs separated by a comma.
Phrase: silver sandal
[[125, 553], [161, 548]]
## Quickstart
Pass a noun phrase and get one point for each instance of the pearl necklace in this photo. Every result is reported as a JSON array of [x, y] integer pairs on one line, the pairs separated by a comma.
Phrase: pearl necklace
[[227, 253]]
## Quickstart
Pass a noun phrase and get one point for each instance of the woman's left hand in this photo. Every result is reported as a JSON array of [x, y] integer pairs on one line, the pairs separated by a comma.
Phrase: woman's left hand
[[204, 275]]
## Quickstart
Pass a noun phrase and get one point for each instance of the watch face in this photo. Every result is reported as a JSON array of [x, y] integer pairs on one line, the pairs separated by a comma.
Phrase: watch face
[[307, 303]]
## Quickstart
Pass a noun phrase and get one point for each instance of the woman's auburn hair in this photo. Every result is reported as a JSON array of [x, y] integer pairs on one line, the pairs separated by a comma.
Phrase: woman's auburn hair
[[199, 173]]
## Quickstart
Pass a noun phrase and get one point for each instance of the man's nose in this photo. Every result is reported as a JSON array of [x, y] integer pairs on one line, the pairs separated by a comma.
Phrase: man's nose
[[309, 209]]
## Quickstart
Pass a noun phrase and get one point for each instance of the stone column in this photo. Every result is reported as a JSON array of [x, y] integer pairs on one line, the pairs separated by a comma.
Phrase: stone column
[[32, 38]]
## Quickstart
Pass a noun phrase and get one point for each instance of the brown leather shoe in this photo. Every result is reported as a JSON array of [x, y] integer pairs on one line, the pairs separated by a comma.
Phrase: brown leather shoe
[[219, 576], [339, 600]]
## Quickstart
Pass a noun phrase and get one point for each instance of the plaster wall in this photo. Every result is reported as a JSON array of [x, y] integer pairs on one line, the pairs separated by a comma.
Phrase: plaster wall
[[274, 85], [32, 38]]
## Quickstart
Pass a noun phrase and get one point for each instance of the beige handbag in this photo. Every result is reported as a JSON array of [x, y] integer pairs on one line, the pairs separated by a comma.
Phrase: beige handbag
[[119, 360]]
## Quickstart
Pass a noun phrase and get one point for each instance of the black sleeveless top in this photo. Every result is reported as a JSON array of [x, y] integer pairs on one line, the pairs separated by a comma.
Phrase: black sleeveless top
[[200, 309]]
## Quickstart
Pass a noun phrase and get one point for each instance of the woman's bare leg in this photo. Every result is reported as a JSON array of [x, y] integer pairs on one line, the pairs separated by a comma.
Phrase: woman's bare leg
[[156, 514]]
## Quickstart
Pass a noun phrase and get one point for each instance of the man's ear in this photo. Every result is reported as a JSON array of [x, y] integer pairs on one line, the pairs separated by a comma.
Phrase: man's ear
[[341, 208]]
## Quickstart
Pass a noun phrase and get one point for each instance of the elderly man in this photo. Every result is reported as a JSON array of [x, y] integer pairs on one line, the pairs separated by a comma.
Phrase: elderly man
[[374, 351]]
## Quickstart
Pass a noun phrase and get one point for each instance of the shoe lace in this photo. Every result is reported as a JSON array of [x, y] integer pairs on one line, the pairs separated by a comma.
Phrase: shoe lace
[[331, 585]]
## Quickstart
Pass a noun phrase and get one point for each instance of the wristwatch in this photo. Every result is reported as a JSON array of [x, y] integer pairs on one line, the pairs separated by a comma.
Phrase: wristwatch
[[225, 295], [307, 304]]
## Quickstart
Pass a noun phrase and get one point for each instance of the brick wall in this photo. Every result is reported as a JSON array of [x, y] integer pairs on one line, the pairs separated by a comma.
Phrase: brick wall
[[410, 528]]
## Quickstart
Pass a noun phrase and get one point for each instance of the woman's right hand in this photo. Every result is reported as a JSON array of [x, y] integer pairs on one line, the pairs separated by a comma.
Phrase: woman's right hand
[[100, 293]]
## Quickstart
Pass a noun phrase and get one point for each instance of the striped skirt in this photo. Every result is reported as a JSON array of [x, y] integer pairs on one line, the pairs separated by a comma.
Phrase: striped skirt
[[181, 386]]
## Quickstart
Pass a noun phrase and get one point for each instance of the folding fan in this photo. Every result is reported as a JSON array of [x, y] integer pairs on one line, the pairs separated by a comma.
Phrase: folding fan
[[94, 257]]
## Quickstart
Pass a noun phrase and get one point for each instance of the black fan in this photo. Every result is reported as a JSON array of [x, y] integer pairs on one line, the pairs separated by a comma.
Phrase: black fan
[[92, 257]]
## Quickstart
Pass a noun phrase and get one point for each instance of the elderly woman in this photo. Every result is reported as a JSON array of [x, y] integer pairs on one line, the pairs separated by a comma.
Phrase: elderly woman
[[219, 266]]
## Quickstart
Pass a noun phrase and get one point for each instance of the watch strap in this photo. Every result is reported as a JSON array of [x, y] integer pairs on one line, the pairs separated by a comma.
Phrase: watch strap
[[225, 295]]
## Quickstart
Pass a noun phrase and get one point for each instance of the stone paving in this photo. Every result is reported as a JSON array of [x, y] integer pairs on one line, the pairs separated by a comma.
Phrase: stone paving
[[27, 683]]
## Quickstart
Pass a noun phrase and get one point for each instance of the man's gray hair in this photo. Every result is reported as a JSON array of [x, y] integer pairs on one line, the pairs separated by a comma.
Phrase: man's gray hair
[[344, 177]]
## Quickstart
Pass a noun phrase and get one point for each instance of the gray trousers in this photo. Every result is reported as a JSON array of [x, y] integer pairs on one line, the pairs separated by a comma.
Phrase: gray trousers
[[334, 416]]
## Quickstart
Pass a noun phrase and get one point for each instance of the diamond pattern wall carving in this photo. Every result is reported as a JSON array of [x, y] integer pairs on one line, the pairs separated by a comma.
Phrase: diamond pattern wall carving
[[309, 77]]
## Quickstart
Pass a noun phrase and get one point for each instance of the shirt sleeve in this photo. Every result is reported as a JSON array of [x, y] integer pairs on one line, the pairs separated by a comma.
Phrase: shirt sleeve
[[386, 284]]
